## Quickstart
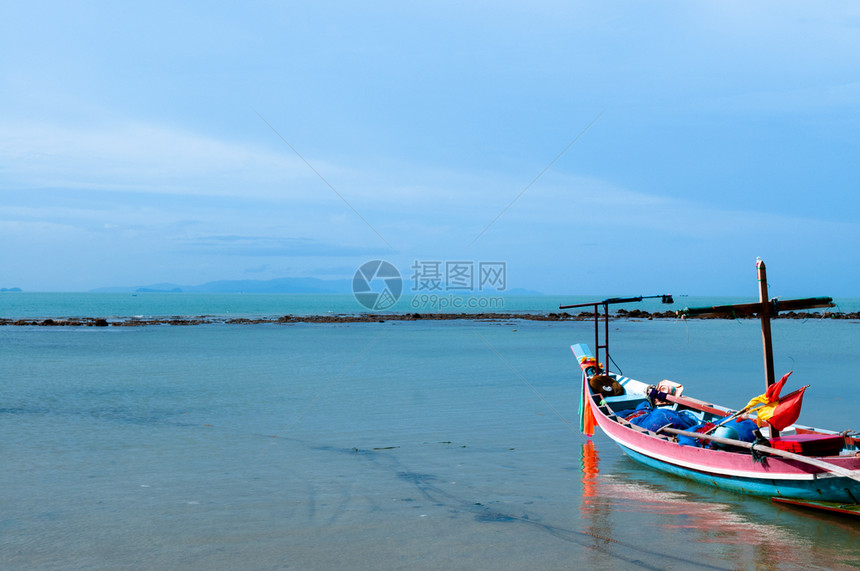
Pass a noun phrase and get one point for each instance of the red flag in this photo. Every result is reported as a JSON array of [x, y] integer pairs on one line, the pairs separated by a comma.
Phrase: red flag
[[768, 401], [774, 390], [788, 409]]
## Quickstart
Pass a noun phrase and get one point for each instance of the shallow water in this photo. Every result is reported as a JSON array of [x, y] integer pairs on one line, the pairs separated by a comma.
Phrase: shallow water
[[389, 446]]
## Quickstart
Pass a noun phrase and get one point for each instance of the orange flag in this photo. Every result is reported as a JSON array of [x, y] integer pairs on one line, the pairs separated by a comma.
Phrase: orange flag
[[586, 416]]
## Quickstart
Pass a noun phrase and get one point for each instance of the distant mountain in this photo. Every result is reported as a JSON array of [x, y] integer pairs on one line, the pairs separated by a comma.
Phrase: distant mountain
[[279, 285], [10, 289]]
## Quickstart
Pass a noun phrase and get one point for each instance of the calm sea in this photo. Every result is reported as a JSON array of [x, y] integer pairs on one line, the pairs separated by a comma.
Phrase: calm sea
[[397, 445]]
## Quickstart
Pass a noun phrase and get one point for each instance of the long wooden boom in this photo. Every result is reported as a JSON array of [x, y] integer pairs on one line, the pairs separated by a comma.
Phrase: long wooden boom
[[746, 309]]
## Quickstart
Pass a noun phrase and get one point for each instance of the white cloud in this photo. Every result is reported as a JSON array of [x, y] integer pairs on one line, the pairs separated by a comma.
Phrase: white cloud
[[134, 156], [427, 125]]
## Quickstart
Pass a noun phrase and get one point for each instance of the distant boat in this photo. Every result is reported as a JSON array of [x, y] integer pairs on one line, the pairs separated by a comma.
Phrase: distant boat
[[767, 454]]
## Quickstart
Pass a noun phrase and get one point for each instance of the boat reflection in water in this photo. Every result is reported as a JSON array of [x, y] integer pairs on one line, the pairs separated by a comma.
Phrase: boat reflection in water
[[630, 509]]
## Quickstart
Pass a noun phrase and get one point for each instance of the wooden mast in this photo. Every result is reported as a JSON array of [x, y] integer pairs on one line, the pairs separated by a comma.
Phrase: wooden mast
[[764, 314], [766, 339]]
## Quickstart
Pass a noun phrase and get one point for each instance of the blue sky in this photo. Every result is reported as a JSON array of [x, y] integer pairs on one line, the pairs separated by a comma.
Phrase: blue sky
[[136, 147]]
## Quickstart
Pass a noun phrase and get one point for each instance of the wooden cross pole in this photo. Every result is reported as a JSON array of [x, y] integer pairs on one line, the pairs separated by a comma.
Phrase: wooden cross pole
[[764, 309]]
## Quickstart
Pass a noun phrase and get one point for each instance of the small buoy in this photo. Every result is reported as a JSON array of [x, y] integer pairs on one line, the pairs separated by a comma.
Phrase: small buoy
[[725, 432]]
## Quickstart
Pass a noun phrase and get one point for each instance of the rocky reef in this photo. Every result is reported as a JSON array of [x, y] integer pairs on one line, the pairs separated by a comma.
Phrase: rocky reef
[[635, 314]]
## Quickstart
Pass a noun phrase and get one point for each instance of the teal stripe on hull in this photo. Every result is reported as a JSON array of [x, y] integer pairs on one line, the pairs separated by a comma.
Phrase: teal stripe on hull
[[831, 489]]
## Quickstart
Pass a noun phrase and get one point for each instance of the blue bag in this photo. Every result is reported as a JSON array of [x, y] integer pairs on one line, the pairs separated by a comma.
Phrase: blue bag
[[661, 417]]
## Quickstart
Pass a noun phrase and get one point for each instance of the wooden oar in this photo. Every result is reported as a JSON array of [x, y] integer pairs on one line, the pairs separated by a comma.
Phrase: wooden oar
[[697, 405], [853, 474]]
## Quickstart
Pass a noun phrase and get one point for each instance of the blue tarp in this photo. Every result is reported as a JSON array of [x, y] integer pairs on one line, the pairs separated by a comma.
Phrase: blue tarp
[[661, 417], [655, 419]]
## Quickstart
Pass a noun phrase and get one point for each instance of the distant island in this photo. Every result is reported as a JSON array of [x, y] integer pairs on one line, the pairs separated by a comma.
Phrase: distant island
[[10, 289], [279, 285]]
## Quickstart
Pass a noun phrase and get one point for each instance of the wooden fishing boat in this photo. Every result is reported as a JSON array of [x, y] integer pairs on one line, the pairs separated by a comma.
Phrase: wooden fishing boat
[[779, 459], [835, 508]]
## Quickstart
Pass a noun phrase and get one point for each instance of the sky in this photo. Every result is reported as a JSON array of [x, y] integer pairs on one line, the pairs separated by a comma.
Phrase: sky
[[618, 148]]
